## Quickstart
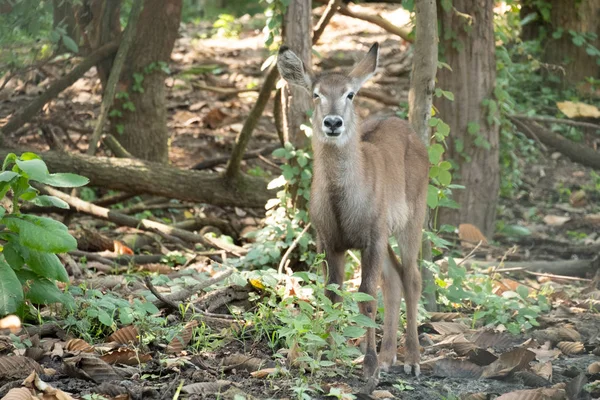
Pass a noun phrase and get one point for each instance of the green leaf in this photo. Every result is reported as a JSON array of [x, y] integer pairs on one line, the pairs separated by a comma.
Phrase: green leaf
[[70, 44], [434, 121], [46, 265], [50, 201], [353, 332], [448, 95], [35, 169], [360, 296], [443, 129], [523, 291], [39, 233], [279, 152], [12, 255], [11, 291], [40, 290], [7, 176], [432, 196], [66, 180], [473, 128], [445, 177], [445, 165], [364, 321], [435, 153], [9, 159]]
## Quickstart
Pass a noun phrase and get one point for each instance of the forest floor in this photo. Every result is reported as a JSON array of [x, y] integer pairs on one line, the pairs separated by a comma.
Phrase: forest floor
[[551, 225]]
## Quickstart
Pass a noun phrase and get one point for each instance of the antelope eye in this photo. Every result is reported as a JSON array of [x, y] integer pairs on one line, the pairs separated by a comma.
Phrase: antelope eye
[[351, 95], [315, 95]]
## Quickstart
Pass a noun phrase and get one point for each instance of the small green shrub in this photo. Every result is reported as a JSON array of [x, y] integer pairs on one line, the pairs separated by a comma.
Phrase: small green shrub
[[29, 267]]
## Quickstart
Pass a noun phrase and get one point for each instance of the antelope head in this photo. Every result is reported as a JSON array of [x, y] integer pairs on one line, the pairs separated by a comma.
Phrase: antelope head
[[334, 119]]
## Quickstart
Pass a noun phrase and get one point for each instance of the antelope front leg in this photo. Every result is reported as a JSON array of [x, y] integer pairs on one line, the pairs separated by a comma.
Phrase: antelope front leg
[[371, 270]]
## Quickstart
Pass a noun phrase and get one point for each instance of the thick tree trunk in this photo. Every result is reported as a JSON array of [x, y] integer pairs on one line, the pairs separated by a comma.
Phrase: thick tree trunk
[[581, 17], [154, 178], [145, 133], [420, 99], [467, 40], [296, 102]]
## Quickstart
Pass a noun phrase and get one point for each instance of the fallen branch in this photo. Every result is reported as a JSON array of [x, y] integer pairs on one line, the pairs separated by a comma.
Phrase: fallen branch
[[25, 114], [137, 176], [115, 73], [576, 152], [551, 120], [285, 257], [206, 164], [120, 260], [126, 220], [560, 267]]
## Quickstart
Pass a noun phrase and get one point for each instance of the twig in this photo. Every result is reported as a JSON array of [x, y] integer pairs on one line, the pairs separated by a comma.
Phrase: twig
[[552, 120], [115, 73], [225, 91], [111, 199], [117, 148], [25, 114], [470, 253], [126, 220], [330, 10], [248, 155], [241, 142], [531, 133], [553, 276], [291, 248], [167, 302]]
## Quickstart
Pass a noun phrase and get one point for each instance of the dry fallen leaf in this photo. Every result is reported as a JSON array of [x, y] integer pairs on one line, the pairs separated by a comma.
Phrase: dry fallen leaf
[[594, 368], [470, 233], [181, 341], [126, 335], [578, 110], [570, 348], [543, 369], [448, 328], [509, 362], [444, 316], [556, 220], [11, 322], [206, 388], [76, 345], [263, 373], [535, 394]]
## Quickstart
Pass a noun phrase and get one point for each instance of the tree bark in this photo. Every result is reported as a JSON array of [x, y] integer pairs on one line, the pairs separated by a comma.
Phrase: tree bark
[[579, 16], [467, 40], [145, 133], [115, 72], [155, 178], [63, 15], [296, 102], [420, 100]]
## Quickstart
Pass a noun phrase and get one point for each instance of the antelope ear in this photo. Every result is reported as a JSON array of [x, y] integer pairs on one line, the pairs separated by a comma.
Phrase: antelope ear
[[365, 69], [292, 69]]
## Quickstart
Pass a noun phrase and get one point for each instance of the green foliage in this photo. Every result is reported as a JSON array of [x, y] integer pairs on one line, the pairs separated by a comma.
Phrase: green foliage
[[309, 324], [98, 314], [227, 26], [274, 12], [517, 311], [284, 222], [29, 267]]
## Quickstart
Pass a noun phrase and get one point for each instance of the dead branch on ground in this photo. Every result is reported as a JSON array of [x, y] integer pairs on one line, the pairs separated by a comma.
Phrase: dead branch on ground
[[213, 162], [576, 152], [551, 120], [560, 267], [137, 176]]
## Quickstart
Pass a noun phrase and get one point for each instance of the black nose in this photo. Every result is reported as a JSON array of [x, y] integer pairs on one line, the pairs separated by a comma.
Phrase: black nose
[[333, 122]]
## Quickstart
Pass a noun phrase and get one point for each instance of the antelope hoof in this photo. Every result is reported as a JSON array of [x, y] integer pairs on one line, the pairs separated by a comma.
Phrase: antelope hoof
[[412, 369], [385, 364], [370, 366]]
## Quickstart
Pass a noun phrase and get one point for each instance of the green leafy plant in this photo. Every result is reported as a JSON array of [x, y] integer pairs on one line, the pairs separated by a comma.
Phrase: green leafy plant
[[29, 267], [98, 314], [517, 310], [284, 222]]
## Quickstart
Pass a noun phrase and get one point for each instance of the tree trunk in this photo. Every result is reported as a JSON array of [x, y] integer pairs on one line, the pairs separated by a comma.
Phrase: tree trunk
[[581, 17], [420, 99], [155, 178], [296, 102], [467, 41], [100, 24], [144, 130]]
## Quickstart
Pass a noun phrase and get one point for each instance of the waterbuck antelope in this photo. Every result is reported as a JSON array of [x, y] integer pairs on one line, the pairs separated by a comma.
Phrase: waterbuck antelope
[[370, 182]]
